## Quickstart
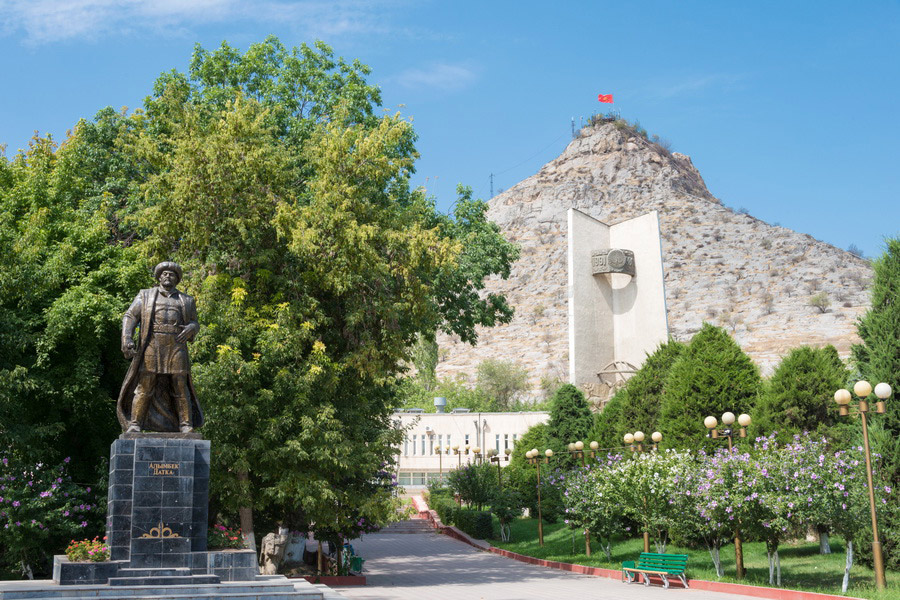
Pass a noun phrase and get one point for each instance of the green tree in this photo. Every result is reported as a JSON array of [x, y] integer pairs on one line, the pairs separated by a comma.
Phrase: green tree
[[641, 406], [503, 381], [64, 284], [315, 267], [268, 175], [570, 421], [712, 376], [799, 397], [878, 359], [425, 358], [607, 429]]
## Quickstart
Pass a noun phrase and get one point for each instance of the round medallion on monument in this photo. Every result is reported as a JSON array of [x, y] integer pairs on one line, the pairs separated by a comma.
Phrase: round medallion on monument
[[612, 260]]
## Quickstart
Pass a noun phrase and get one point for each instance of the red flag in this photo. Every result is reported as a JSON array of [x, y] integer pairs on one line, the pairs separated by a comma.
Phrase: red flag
[[605, 98]]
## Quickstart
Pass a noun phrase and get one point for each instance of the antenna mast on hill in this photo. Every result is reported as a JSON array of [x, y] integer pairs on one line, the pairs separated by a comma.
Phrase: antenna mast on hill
[[492, 185]]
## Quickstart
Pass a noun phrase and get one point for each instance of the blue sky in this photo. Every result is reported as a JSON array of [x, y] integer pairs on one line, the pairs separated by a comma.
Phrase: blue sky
[[788, 109]]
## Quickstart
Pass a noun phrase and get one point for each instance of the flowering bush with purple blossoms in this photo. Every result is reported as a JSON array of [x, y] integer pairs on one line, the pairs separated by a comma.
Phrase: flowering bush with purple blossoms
[[41, 510], [589, 501]]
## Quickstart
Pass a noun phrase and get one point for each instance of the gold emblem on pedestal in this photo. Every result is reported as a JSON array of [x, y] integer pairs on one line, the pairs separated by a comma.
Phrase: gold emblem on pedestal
[[160, 532]]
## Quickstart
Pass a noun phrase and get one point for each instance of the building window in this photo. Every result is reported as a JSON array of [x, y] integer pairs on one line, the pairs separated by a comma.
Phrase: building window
[[406, 446], [403, 479], [515, 438], [440, 443], [418, 479], [431, 444], [448, 439], [498, 444], [505, 441], [423, 445], [415, 440], [467, 439]]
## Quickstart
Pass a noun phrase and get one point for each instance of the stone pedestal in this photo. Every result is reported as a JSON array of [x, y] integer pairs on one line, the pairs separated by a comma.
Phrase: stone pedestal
[[158, 499], [156, 519]]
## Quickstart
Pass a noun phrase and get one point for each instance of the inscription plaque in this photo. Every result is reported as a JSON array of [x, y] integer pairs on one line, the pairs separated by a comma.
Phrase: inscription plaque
[[614, 260], [164, 468]]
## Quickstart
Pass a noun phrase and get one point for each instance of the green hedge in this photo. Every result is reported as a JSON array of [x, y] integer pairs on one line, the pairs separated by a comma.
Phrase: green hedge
[[445, 508], [476, 523]]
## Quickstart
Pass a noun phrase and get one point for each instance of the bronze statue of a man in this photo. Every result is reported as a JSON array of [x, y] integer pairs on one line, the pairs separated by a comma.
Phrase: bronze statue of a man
[[158, 394]]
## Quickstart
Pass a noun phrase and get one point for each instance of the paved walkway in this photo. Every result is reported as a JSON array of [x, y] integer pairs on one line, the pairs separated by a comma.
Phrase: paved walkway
[[429, 566]]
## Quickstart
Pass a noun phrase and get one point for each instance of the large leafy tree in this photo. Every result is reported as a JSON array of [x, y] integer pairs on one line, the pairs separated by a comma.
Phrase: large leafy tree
[[63, 289], [268, 175], [712, 376], [878, 359]]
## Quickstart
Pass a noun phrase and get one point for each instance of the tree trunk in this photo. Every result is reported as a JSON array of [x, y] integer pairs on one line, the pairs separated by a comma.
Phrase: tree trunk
[[319, 560], [26, 570], [716, 558], [771, 567], [846, 581], [338, 557], [824, 545], [778, 567], [587, 542], [246, 515], [607, 550]]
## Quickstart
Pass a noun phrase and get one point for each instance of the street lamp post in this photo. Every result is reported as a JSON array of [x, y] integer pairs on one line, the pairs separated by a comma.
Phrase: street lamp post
[[495, 457], [728, 420], [744, 421], [533, 457], [863, 389]]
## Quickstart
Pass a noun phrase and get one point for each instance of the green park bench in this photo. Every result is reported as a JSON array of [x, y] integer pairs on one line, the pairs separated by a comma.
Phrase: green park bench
[[661, 565]]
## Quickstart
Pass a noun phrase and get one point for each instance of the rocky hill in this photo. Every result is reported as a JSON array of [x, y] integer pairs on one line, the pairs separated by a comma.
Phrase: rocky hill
[[728, 268]]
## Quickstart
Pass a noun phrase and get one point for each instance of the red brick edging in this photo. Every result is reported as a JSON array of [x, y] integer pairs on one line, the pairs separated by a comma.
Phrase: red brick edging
[[694, 584]]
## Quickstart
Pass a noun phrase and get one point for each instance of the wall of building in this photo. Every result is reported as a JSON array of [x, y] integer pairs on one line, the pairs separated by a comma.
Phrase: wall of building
[[423, 454]]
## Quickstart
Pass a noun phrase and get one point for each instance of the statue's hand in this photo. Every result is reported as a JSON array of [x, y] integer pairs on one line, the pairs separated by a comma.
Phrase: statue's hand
[[128, 349], [187, 334]]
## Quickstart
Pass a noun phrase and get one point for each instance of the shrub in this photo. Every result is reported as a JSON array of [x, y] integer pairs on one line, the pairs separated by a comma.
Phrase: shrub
[[474, 483], [476, 523], [820, 301], [41, 509], [88, 550], [220, 537], [445, 509]]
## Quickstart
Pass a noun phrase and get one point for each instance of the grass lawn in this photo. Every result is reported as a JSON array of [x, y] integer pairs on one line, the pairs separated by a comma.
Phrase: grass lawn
[[802, 567]]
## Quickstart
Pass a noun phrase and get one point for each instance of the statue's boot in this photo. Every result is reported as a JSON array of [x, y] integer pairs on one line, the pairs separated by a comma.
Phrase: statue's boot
[[139, 407], [184, 413]]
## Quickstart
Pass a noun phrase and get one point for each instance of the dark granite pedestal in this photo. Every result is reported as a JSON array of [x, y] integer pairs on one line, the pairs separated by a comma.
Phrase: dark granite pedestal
[[156, 520]]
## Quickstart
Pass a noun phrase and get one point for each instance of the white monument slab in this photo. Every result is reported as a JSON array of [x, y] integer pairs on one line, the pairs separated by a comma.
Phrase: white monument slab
[[617, 299]]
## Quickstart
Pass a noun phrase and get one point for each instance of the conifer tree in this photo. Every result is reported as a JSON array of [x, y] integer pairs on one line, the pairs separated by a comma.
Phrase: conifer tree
[[878, 360], [640, 410], [570, 419], [799, 396], [712, 376], [607, 423]]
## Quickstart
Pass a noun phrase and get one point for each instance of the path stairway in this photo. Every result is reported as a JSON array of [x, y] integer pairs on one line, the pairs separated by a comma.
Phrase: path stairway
[[413, 525]]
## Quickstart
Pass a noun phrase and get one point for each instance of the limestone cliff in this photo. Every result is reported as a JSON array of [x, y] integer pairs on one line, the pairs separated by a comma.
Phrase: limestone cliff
[[753, 278]]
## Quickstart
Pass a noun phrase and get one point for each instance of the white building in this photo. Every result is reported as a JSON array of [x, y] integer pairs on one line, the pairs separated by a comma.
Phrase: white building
[[423, 454]]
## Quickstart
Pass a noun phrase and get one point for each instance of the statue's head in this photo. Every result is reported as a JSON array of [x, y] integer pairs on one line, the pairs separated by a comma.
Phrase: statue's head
[[169, 266]]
